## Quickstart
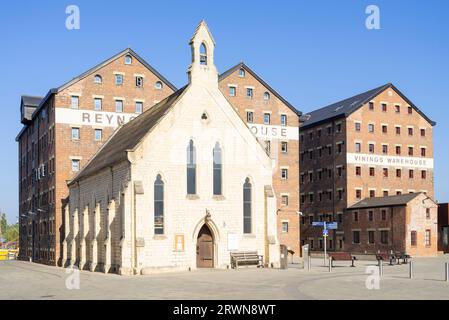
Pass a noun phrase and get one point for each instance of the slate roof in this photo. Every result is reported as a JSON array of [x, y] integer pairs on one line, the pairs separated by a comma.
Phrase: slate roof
[[241, 65], [391, 201], [127, 137], [346, 107]]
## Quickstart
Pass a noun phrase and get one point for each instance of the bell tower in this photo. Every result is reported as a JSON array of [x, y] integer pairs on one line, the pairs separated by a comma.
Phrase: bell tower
[[202, 71]]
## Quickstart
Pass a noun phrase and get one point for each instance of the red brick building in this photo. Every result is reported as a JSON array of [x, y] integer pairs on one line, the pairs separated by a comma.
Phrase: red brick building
[[443, 227], [402, 223], [61, 133], [377, 143], [275, 122]]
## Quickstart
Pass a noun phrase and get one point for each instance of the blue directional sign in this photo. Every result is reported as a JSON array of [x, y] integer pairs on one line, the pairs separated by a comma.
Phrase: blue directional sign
[[318, 224], [332, 225], [325, 232]]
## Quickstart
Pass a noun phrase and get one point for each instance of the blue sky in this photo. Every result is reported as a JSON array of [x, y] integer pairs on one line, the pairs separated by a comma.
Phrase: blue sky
[[313, 52]]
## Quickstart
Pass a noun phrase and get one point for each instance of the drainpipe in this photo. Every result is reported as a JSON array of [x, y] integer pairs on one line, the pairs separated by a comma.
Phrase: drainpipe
[[267, 247]]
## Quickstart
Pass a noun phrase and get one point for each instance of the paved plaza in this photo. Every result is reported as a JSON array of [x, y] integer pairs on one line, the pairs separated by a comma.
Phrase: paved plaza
[[24, 280]]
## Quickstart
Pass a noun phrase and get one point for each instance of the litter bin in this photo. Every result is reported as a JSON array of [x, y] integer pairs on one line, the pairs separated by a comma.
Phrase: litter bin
[[284, 256]]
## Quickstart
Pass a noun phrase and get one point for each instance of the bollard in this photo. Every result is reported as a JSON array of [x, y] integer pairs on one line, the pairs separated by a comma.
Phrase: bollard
[[309, 263], [381, 268], [330, 266], [410, 267], [447, 271]]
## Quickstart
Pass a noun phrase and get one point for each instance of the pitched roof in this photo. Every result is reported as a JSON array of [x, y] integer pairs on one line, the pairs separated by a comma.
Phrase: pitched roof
[[241, 65], [99, 66], [346, 107], [118, 55], [390, 201], [127, 137], [204, 24]]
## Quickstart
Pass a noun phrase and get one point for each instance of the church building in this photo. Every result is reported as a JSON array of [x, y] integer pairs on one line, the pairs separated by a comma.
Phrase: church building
[[179, 187]]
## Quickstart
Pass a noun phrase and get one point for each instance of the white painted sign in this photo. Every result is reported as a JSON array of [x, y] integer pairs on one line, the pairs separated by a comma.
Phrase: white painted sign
[[92, 118], [274, 132], [389, 161], [233, 241]]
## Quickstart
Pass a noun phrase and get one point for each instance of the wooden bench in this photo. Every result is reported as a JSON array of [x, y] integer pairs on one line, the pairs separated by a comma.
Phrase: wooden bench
[[246, 258], [385, 256], [341, 256]]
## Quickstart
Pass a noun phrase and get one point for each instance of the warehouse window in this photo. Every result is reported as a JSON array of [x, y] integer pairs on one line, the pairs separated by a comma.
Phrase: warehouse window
[[423, 174], [158, 205], [75, 133], [283, 120], [98, 134], [158, 85], [384, 237], [242, 73], [139, 107], [371, 237], [128, 59], [249, 93], [118, 105], [75, 165], [284, 227], [98, 104], [217, 174], [427, 238], [118, 79], [191, 168], [267, 118], [413, 238], [139, 82], [284, 147], [423, 152], [249, 117], [75, 102], [423, 132], [247, 203], [232, 91], [356, 237], [98, 79]]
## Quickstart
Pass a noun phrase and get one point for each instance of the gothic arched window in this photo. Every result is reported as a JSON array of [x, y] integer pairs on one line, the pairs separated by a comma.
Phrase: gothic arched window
[[203, 54], [158, 205], [191, 168], [247, 206], [218, 168]]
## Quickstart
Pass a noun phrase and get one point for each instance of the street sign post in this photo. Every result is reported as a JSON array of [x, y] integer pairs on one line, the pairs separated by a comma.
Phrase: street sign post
[[326, 228]]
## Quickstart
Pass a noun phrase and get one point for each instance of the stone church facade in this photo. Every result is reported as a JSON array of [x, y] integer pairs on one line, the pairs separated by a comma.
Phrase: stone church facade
[[178, 188]]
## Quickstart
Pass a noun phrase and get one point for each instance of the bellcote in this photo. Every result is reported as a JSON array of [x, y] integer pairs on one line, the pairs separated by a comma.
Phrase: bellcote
[[202, 71]]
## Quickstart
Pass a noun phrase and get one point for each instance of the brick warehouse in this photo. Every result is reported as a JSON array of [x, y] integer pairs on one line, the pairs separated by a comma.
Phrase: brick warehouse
[[402, 223], [65, 128], [374, 144]]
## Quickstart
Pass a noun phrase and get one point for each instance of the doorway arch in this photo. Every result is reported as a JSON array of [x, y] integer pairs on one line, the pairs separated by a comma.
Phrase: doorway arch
[[205, 248]]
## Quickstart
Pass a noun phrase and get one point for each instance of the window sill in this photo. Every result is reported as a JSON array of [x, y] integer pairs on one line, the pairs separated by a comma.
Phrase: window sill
[[249, 235], [218, 197], [192, 197], [159, 237]]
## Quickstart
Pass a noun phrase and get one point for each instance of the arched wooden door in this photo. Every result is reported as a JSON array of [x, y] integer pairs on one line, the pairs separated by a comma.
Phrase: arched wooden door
[[205, 248]]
